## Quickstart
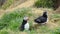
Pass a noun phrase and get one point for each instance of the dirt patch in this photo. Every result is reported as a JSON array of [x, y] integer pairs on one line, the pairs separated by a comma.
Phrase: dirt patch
[[25, 4], [1, 13], [58, 10], [16, 3]]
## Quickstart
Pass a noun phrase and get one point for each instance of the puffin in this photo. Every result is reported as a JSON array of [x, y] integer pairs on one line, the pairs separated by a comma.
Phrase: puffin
[[42, 19], [25, 24]]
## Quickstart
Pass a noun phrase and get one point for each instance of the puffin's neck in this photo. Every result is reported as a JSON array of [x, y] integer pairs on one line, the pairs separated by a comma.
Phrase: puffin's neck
[[44, 15], [24, 22]]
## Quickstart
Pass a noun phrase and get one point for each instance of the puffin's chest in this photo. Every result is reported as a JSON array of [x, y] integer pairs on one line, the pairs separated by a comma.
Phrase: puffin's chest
[[26, 26]]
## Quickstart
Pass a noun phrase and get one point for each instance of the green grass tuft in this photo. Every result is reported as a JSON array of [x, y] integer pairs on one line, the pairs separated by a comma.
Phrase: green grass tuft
[[4, 32], [44, 3], [56, 15]]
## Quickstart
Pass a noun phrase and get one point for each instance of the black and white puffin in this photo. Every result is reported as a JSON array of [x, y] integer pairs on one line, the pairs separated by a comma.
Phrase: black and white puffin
[[25, 24], [42, 19]]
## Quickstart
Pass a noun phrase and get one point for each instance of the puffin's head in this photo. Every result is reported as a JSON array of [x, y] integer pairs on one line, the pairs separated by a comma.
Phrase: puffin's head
[[45, 14], [26, 18]]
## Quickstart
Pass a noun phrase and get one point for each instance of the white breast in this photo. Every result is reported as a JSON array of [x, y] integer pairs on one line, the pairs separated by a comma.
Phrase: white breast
[[26, 26]]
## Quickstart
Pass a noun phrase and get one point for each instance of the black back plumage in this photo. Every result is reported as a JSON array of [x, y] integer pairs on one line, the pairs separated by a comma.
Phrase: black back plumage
[[42, 18]]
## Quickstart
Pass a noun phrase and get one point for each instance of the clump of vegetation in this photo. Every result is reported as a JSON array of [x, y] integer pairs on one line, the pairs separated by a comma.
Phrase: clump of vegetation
[[44, 3], [56, 15], [4, 32], [7, 4], [57, 31], [14, 18]]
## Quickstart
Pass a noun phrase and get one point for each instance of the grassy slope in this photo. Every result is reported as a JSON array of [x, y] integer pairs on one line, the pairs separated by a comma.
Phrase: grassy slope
[[10, 22], [14, 19]]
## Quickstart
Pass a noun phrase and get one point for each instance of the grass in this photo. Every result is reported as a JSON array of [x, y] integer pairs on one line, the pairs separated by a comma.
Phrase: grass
[[57, 31], [44, 3], [4, 32], [7, 4], [10, 23], [56, 15]]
